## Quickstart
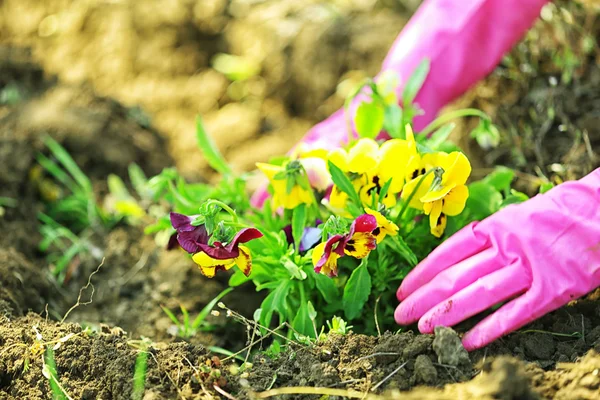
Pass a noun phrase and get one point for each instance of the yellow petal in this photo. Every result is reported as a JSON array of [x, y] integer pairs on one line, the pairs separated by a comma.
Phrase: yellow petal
[[434, 216], [209, 272], [318, 253], [360, 245], [455, 200], [440, 226], [436, 194], [269, 170], [204, 260], [330, 266], [244, 260], [457, 169], [394, 155], [420, 192], [384, 226], [363, 156], [339, 157], [317, 172]]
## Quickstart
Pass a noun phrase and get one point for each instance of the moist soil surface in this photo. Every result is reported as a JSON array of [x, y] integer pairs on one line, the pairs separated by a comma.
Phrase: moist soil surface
[[96, 346]]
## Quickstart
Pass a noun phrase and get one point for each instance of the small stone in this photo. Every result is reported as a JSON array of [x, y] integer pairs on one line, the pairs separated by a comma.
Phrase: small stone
[[420, 345], [449, 348], [425, 371]]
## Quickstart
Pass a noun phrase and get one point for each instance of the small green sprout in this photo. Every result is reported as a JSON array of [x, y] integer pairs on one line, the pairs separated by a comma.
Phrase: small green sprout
[[187, 328]]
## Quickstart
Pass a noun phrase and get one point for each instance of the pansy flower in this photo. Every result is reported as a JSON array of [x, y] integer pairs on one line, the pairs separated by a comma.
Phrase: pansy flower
[[287, 195], [443, 192], [358, 243], [310, 236], [188, 236], [217, 256], [384, 226], [222, 257]]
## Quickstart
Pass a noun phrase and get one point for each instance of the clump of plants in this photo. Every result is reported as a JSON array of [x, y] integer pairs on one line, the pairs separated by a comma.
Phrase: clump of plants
[[341, 227]]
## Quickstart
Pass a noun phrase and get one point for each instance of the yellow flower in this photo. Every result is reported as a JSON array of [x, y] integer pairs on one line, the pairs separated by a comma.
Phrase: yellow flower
[[369, 167], [441, 193], [281, 198], [329, 268], [209, 266], [384, 225], [360, 244]]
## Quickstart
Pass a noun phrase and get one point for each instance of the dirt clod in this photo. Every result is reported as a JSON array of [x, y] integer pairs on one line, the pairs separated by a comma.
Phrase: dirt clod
[[425, 372], [448, 347]]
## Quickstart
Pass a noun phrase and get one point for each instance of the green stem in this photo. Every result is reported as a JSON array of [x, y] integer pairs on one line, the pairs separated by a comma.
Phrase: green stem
[[412, 194], [225, 207], [441, 120]]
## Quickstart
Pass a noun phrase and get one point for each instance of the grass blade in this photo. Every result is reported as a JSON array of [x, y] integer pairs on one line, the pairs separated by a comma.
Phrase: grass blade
[[208, 308]]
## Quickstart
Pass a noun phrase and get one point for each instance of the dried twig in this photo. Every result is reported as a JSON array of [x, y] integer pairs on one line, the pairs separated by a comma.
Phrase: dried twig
[[394, 372], [88, 284], [354, 394]]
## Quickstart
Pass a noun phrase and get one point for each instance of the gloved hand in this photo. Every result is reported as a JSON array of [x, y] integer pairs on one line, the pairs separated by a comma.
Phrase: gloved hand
[[463, 40], [546, 251]]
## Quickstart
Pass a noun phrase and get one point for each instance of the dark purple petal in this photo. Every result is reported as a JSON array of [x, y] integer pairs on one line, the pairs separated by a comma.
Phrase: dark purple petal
[[218, 252], [329, 248], [191, 240], [288, 234], [243, 236], [310, 238], [182, 223], [173, 243]]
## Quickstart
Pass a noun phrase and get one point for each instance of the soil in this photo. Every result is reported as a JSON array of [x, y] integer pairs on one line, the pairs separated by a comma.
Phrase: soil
[[64, 80]]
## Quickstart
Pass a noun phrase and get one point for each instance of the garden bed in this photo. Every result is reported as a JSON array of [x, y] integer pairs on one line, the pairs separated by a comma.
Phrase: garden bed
[[557, 356]]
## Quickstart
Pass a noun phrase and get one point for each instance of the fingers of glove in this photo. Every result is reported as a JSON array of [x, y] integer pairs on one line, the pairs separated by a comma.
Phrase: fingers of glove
[[506, 319], [485, 292], [459, 247], [446, 284]]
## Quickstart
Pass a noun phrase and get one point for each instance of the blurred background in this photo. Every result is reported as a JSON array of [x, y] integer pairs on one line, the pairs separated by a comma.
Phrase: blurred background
[[262, 72]]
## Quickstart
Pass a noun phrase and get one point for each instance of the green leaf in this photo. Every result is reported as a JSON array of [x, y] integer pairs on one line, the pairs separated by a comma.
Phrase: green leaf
[[139, 181], [293, 269], [312, 313], [208, 308], [209, 149], [545, 186], [238, 278], [117, 187], [357, 291], [369, 119], [302, 322], [172, 317], [68, 163], [483, 201], [342, 182], [415, 82], [403, 249], [500, 178], [515, 197], [275, 301], [327, 288], [392, 121], [298, 224], [440, 136], [384, 190]]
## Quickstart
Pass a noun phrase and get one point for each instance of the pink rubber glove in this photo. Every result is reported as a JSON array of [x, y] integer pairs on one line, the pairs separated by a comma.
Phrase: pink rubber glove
[[463, 39], [546, 251]]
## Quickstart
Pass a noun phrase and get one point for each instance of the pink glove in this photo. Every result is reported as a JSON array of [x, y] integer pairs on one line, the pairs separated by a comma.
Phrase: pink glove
[[463, 39], [546, 251]]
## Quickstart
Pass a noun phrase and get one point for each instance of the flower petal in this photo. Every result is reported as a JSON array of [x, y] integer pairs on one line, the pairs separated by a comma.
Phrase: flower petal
[[384, 226], [325, 263], [269, 170], [310, 238], [244, 260], [360, 244], [244, 235], [339, 158], [205, 260], [434, 218], [181, 223], [218, 252], [411, 186], [317, 173], [455, 200], [363, 223], [191, 241], [457, 169], [363, 156]]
